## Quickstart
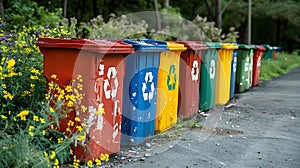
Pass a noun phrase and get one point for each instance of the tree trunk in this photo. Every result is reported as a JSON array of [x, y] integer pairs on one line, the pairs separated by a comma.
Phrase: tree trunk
[[166, 4], [219, 13], [209, 8], [65, 8], [2, 10], [158, 26], [277, 36]]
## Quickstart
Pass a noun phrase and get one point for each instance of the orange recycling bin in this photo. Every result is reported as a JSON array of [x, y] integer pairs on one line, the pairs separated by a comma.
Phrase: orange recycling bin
[[102, 67], [189, 81]]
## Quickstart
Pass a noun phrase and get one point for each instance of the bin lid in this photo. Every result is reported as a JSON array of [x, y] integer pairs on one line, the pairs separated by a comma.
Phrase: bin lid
[[229, 45], [147, 45], [175, 46], [94, 45], [277, 48], [245, 46], [259, 47], [194, 45], [267, 46], [216, 45]]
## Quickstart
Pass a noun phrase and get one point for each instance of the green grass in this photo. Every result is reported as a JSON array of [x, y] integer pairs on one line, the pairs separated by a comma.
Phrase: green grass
[[283, 63]]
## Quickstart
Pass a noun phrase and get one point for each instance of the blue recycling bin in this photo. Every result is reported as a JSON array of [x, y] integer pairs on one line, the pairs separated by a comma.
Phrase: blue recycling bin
[[232, 76], [140, 90]]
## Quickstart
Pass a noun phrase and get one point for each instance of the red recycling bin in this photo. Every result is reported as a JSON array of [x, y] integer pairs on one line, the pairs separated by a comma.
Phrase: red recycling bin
[[189, 82], [102, 67], [258, 54]]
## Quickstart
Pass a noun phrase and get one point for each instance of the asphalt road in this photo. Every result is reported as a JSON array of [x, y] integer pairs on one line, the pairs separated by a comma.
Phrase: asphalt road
[[262, 129]]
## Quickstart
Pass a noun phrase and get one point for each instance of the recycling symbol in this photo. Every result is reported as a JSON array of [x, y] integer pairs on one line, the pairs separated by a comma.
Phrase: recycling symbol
[[195, 71], [111, 80], [148, 86], [142, 88], [212, 69], [171, 79]]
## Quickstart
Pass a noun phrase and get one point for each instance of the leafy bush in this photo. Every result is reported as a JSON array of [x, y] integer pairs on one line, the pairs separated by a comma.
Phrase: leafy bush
[[19, 13], [281, 65]]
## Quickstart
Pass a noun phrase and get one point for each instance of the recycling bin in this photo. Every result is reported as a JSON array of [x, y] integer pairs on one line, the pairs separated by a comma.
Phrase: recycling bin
[[258, 53], [269, 52], [189, 81], [167, 85], [140, 90], [101, 65], [277, 50], [208, 76], [233, 71], [244, 68], [224, 72]]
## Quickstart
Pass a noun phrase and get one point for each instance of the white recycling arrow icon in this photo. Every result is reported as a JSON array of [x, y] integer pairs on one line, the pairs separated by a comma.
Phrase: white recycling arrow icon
[[111, 75], [148, 92], [195, 70]]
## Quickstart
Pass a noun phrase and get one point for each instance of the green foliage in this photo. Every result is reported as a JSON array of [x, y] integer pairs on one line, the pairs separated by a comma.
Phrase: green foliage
[[281, 65], [213, 33], [115, 28], [19, 13], [28, 134]]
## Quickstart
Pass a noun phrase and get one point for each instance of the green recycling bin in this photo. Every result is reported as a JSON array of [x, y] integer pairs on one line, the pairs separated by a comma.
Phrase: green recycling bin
[[208, 76], [269, 52], [244, 68]]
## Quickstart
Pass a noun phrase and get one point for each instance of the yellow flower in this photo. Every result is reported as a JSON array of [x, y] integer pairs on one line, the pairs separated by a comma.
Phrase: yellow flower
[[51, 110], [81, 138], [70, 104], [53, 154], [43, 132], [53, 76], [45, 154], [59, 140], [3, 116], [31, 134], [79, 128], [77, 119], [23, 113], [31, 128], [42, 120], [104, 157], [11, 63], [34, 77], [35, 118], [71, 151], [69, 88], [70, 123], [98, 162], [56, 162], [90, 163], [4, 86]]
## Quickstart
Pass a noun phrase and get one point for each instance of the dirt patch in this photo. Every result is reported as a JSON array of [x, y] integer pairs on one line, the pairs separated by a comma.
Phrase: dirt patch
[[220, 131]]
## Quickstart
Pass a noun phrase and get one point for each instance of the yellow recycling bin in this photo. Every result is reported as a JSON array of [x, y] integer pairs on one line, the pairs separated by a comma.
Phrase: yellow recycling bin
[[224, 72], [167, 92]]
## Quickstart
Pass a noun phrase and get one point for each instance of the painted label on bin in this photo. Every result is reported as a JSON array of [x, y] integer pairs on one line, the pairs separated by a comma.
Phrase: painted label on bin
[[195, 70], [234, 64], [212, 70], [109, 85], [171, 79], [258, 61], [247, 64], [142, 88]]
